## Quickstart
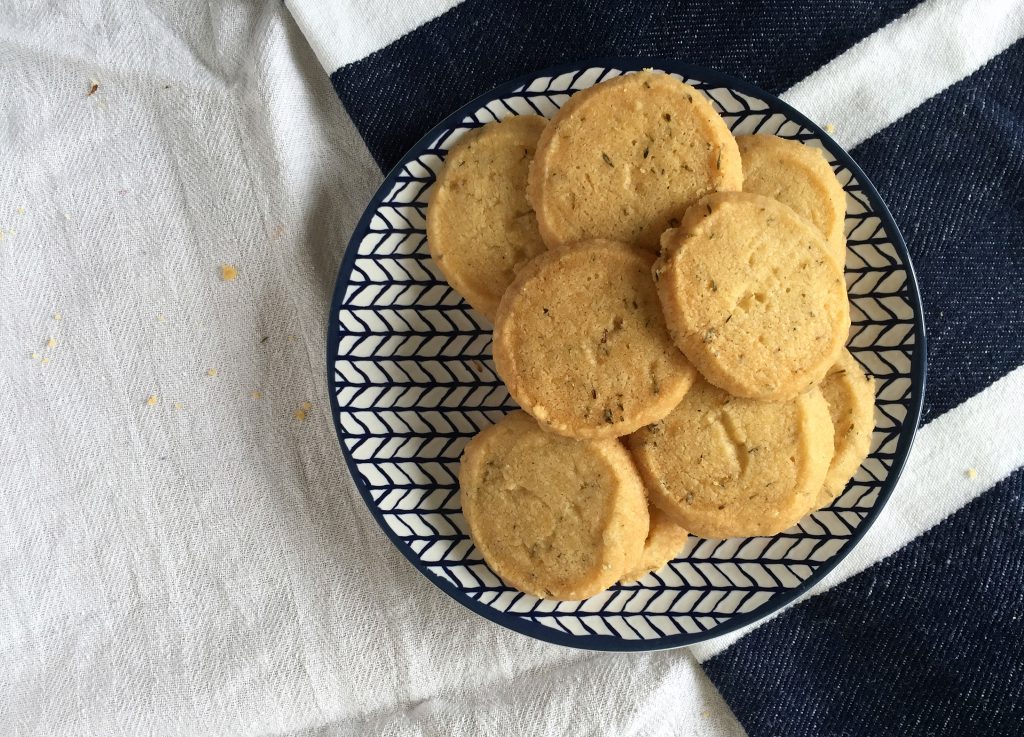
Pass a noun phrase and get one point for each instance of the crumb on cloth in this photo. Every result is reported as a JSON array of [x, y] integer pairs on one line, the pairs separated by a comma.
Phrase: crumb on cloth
[[971, 473], [152, 400], [228, 272], [212, 372]]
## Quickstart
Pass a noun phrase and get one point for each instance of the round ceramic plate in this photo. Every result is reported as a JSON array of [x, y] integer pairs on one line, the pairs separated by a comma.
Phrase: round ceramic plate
[[411, 381]]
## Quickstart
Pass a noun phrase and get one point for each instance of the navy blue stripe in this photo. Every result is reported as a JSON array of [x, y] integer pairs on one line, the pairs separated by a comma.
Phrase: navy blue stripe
[[952, 172], [396, 94], [928, 642]]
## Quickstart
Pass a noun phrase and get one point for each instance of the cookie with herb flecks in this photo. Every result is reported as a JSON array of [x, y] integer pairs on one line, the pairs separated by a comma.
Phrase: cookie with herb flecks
[[722, 466], [625, 158], [665, 540], [799, 176], [480, 227], [553, 517], [581, 342], [850, 394], [752, 296]]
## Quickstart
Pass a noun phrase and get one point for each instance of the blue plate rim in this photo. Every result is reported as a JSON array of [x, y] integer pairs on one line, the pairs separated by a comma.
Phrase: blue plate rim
[[918, 369]]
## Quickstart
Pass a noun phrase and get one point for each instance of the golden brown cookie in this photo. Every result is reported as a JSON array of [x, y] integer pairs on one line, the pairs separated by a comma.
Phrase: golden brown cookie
[[581, 342], [798, 176], [625, 158], [850, 394], [480, 227], [752, 296], [665, 540], [554, 517], [722, 466]]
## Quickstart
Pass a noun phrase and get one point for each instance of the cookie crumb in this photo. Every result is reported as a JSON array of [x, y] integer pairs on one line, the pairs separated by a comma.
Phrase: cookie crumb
[[290, 338], [228, 272], [34, 355], [152, 400], [57, 316], [160, 318], [44, 359], [972, 473], [211, 372], [51, 343], [307, 406], [300, 415], [830, 128], [21, 210], [256, 395], [93, 86], [177, 405]]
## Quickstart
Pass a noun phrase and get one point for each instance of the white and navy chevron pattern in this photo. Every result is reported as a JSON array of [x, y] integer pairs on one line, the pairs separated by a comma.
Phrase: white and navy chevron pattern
[[413, 381]]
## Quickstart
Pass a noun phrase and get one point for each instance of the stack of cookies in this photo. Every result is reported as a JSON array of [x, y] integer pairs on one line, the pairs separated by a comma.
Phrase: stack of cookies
[[670, 313]]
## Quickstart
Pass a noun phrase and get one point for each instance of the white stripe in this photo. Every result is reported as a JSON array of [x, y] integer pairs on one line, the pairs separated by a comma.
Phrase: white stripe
[[895, 69], [984, 433], [345, 31]]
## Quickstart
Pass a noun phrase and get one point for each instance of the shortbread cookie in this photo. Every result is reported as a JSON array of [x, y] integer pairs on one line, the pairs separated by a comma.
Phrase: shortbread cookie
[[625, 158], [752, 296], [665, 540], [722, 466], [798, 176], [581, 342], [480, 227], [553, 517], [850, 394]]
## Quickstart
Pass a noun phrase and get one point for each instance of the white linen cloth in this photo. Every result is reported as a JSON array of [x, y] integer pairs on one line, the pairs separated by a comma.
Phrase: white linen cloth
[[181, 553]]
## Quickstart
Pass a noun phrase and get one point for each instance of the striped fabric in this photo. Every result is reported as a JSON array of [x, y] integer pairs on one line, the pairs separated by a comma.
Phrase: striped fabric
[[921, 629]]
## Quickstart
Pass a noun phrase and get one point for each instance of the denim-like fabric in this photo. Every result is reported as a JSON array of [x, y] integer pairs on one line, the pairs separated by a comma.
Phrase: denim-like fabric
[[396, 94], [927, 642], [952, 172]]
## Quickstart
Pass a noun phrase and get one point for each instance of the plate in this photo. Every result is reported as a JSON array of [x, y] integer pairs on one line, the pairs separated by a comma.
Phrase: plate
[[411, 381]]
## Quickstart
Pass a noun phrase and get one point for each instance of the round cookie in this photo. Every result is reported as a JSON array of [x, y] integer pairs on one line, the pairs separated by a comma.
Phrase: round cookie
[[625, 158], [722, 466], [850, 394], [553, 517], [798, 176], [664, 541], [582, 345], [480, 226], [752, 296]]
